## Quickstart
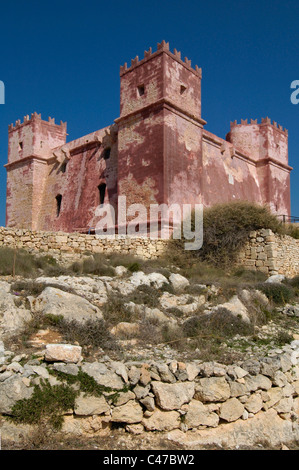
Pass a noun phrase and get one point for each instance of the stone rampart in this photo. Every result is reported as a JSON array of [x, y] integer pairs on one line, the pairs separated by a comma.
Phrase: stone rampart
[[264, 251]]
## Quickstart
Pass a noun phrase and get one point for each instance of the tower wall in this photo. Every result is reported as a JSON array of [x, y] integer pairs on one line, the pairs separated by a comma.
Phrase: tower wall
[[29, 152], [156, 152], [267, 144], [160, 129]]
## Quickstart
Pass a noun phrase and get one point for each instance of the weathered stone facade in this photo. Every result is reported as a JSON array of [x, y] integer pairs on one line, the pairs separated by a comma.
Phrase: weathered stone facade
[[157, 151], [270, 253]]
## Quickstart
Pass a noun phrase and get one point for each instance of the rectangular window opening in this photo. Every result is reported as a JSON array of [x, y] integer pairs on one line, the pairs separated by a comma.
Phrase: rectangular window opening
[[102, 192], [58, 204], [63, 167], [107, 153], [140, 90]]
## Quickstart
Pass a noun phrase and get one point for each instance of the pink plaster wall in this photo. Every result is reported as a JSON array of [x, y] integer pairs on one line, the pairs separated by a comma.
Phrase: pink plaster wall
[[160, 152]]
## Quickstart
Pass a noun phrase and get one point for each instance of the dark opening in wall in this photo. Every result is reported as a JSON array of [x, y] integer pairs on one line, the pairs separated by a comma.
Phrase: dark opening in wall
[[102, 192], [140, 90], [63, 167], [58, 204], [20, 145], [107, 153], [183, 89]]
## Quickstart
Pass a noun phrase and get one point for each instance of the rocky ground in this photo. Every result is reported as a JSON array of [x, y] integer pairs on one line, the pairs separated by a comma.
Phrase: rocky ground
[[140, 328]]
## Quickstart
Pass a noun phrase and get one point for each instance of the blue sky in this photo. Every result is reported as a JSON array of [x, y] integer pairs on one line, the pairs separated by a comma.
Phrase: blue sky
[[62, 59]]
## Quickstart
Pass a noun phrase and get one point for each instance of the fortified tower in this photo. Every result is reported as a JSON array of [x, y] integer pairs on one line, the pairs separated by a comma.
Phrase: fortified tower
[[267, 145], [160, 129], [30, 145], [156, 152]]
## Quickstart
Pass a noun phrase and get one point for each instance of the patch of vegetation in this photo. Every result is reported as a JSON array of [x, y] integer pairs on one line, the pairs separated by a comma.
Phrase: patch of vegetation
[[88, 384], [19, 262], [27, 287], [146, 295], [220, 324], [91, 335], [294, 284], [292, 230], [47, 403], [96, 264], [115, 310], [226, 227], [277, 293]]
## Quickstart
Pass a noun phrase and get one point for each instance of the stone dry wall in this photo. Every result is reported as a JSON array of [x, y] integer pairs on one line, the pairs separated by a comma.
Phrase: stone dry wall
[[68, 245], [271, 253], [246, 404], [264, 251]]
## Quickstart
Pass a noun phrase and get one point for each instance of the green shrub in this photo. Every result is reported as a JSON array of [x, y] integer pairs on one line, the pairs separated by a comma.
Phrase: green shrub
[[145, 295], [17, 262], [90, 334], [115, 310], [221, 324], [48, 402], [249, 276], [292, 230], [96, 264], [279, 294], [22, 263], [294, 283], [226, 228]]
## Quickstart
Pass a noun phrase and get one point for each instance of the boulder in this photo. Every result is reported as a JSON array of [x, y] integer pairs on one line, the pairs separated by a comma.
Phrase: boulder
[[90, 405], [199, 414], [103, 376], [236, 308], [91, 288], [212, 389], [63, 353], [173, 396], [12, 318], [157, 280], [178, 281], [257, 382], [231, 410], [162, 420], [13, 389], [276, 279], [72, 307], [254, 403], [120, 271], [131, 412], [155, 316]]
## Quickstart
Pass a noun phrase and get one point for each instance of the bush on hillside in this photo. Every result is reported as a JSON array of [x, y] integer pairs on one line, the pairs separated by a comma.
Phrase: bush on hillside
[[226, 227], [20, 262]]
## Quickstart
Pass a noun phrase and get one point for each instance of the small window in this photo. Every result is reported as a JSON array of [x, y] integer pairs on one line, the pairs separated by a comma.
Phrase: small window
[[183, 89], [58, 204], [20, 145], [102, 192], [63, 167], [140, 90], [107, 153]]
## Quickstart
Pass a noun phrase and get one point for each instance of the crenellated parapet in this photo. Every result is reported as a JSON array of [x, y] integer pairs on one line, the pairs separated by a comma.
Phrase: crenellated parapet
[[35, 117], [161, 47], [245, 122]]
